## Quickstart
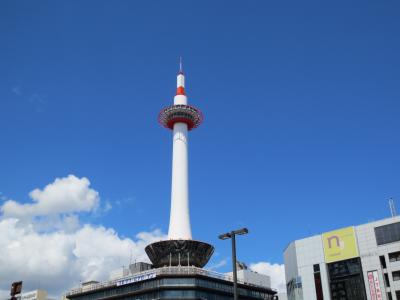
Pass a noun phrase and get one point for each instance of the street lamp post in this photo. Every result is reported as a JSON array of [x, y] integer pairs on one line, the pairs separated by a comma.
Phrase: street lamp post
[[232, 235]]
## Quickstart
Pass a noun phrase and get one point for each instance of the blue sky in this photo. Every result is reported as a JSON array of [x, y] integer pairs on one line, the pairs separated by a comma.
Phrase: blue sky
[[301, 104]]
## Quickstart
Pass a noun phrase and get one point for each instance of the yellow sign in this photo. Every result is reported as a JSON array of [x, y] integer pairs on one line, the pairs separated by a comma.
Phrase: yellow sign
[[340, 244]]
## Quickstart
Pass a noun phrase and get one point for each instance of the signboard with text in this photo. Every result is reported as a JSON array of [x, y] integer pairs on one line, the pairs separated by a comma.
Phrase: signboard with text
[[340, 244], [371, 285], [136, 279], [374, 285]]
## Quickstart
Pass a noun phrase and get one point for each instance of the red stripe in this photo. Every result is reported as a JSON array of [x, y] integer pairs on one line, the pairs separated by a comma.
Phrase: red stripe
[[180, 90]]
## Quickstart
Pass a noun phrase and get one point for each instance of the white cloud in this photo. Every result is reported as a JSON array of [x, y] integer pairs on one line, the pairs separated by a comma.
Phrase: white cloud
[[275, 271], [60, 258], [4, 294], [65, 195], [218, 265]]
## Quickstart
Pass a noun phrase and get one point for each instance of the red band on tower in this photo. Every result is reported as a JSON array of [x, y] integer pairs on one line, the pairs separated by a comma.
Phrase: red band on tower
[[180, 90]]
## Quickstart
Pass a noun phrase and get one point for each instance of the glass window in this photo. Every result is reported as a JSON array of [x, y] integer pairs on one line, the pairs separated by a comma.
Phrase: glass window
[[316, 268], [394, 256], [387, 282], [387, 233], [383, 261], [396, 276], [346, 281], [344, 268], [318, 286]]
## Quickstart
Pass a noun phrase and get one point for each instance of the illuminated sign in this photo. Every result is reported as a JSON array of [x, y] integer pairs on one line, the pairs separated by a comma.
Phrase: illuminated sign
[[340, 244], [136, 279], [374, 285]]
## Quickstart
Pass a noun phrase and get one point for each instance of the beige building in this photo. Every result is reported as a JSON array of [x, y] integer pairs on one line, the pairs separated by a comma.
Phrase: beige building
[[34, 295]]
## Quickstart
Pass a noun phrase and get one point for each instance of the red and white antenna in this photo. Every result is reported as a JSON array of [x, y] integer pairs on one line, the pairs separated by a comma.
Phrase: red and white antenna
[[180, 86]]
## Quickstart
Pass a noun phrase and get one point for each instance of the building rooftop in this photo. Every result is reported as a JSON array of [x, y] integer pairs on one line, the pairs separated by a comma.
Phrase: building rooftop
[[379, 222]]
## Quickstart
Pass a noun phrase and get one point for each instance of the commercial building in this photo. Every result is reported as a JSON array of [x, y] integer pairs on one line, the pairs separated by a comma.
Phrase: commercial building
[[176, 270], [175, 282], [353, 263], [34, 295], [249, 276]]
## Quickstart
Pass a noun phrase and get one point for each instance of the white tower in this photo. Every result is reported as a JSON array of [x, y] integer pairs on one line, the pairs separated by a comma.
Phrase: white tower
[[179, 222], [181, 118], [180, 248]]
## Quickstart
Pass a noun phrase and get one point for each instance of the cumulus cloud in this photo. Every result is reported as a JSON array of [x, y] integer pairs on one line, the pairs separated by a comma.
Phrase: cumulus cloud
[[59, 259], [275, 271], [65, 195]]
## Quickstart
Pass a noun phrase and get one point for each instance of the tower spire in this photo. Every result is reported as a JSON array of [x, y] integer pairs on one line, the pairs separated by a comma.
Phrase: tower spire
[[180, 65], [180, 83]]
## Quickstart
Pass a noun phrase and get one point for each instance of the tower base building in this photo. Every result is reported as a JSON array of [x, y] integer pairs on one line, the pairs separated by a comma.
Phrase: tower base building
[[354, 263], [172, 283]]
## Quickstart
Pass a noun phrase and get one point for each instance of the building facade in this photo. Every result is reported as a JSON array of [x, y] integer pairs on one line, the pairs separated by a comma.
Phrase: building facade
[[354, 263], [175, 282], [34, 295]]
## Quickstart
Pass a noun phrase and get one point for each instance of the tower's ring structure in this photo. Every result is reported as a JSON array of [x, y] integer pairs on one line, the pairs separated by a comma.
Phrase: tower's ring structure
[[182, 113]]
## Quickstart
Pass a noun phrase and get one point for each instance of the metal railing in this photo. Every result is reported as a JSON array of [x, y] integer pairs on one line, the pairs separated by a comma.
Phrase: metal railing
[[180, 270]]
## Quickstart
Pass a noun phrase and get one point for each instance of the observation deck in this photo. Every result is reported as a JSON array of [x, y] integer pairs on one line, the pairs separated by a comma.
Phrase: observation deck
[[183, 113]]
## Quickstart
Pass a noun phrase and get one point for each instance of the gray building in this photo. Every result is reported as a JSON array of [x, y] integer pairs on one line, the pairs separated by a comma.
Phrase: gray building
[[172, 282], [355, 263]]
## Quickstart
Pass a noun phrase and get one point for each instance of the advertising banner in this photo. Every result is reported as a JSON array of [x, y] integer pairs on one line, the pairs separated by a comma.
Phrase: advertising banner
[[374, 285], [340, 244], [371, 284], [377, 286]]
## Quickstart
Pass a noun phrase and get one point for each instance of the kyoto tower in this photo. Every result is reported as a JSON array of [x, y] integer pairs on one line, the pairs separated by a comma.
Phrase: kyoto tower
[[180, 249]]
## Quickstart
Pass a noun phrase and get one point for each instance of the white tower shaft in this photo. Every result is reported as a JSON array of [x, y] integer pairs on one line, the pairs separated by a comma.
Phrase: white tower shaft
[[179, 223]]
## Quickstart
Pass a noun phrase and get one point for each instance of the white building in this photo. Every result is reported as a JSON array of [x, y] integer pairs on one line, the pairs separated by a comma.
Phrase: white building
[[252, 277], [34, 295], [354, 263]]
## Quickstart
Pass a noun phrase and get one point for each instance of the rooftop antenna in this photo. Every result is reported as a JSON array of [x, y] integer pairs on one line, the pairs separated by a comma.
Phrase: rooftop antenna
[[130, 258], [392, 207], [180, 65]]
